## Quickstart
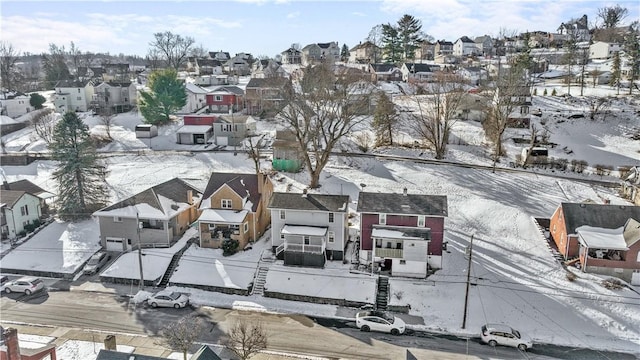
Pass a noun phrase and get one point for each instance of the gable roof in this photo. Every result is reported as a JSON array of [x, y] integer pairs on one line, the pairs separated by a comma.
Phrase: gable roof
[[241, 184], [325, 45], [205, 353], [381, 68], [465, 39], [392, 203], [291, 50], [11, 197], [276, 82], [418, 67], [72, 84], [631, 232], [195, 88], [175, 189], [310, 202], [597, 215], [117, 355], [26, 186]]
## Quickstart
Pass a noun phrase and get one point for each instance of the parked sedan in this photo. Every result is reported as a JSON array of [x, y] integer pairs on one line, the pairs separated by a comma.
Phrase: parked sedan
[[499, 334], [4, 280], [168, 299], [27, 285], [96, 262], [379, 321]]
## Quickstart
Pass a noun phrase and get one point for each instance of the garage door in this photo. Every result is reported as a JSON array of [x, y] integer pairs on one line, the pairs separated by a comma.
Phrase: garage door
[[115, 244], [222, 140]]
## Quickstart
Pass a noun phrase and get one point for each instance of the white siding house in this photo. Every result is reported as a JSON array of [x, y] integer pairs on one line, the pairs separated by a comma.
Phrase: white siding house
[[603, 50], [18, 209], [73, 96], [14, 105]]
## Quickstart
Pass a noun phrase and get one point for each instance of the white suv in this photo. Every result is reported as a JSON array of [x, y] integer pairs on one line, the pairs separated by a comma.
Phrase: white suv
[[27, 285], [499, 334]]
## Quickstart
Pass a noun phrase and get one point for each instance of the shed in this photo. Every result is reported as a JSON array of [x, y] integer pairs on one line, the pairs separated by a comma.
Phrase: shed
[[194, 134], [146, 131]]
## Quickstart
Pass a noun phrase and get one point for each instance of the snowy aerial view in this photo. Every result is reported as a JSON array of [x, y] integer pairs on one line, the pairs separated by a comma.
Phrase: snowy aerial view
[[474, 198]]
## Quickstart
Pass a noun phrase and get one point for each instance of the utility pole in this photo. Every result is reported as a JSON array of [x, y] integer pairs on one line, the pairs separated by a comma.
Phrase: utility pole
[[138, 226], [466, 294]]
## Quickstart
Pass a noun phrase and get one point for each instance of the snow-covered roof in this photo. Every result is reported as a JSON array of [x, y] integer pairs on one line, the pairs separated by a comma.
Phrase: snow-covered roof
[[195, 89], [396, 234], [146, 211], [304, 230], [220, 216], [601, 238], [194, 129]]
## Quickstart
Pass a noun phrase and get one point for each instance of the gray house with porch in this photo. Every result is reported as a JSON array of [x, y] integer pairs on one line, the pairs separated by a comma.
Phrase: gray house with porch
[[309, 229]]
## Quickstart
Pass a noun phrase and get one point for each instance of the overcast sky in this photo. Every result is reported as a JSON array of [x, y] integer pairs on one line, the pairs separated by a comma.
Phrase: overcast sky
[[268, 27]]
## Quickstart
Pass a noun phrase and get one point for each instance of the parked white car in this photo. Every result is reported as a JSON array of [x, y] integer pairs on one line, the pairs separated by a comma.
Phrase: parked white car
[[371, 320], [499, 334], [4, 280], [27, 285], [168, 299], [96, 262]]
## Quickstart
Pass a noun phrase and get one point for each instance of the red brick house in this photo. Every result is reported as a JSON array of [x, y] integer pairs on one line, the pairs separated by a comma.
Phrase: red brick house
[[225, 98], [402, 233], [605, 239], [12, 351]]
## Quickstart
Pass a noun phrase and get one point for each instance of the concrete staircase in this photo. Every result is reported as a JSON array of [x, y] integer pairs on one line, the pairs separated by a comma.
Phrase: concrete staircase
[[382, 295], [172, 266], [266, 259]]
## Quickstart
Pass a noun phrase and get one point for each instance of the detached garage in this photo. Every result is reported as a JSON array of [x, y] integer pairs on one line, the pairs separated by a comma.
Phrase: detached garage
[[194, 134]]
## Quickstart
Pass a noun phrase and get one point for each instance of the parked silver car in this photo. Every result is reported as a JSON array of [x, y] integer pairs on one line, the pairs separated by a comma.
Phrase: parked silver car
[[96, 262], [371, 320], [168, 299], [27, 285], [499, 334]]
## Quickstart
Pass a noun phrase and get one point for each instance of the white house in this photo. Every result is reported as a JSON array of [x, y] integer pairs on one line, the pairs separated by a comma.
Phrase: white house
[[118, 96], [464, 47], [320, 52], [73, 95], [14, 105], [17, 210], [309, 229], [196, 98], [603, 50]]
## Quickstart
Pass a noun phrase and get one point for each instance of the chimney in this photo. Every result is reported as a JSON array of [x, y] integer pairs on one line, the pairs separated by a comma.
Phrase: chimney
[[10, 336], [110, 343], [5, 185], [304, 192], [404, 191], [260, 182], [190, 197]]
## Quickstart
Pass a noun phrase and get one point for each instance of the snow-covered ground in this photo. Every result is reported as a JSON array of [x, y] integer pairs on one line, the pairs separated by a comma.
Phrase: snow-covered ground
[[517, 280]]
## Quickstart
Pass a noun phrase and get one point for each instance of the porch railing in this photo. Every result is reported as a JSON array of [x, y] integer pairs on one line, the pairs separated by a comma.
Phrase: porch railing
[[388, 253]]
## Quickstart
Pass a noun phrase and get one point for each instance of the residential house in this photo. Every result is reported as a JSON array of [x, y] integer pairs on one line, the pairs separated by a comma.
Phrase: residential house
[[603, 50], [365, 53], [234, 207], [155, 217], [208, 67], [214, 80], [232, 129], [225, 99], [197, 129], [425, 50], [385, 72], [287, 153], [196, 99], [14, 105], [604, 239], [631, 185], [104, 354], [443, 47], [577, 28], [18, 210], [464, 47], [472, 107], [237, 65], [90, 73], [72, 96], [418, 72], [267, 69], [402, 233], [519, 102], [46, 197], [473, 74], [320, 52], [116, 73], [221, 56], [538, 39], [309, 229], [265, 95], [291, 56], [117, 96], [12, 350], [484, 45]]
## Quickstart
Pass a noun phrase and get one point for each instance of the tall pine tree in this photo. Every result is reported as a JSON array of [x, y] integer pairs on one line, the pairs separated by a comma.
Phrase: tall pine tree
[[615, 71], [385, 119], [632, 51], [409, 32], [167, 96], [80, 175], [392, 46], [344, 53]]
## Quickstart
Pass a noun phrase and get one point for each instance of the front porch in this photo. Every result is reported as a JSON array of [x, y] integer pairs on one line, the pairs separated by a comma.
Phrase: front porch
[[302, 246], [216, 226]]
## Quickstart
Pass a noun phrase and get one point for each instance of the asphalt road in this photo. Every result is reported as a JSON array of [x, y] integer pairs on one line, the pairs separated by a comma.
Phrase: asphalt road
[[298, 334]]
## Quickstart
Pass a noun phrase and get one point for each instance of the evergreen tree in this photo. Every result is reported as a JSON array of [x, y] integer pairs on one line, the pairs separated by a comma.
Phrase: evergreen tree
[[344, 54], [410, 35], [167, 95], [615, 71], [632, 51], [392, 46], [80, 175], [36, 100], [385, 119]]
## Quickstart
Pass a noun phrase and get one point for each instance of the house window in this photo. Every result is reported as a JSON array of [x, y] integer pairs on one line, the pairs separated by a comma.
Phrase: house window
[[79, 98], [382, 219], [378, 243], [330, 217], [307, 240], [332, 236], [403, 262], [226, 203], [282, 215], [282, 236], [246, 227], [388, 244], [212, 227], [117, 219], [399, 246], [24, 210], [218, 97], [421, 221], [524, 110], [78, 91]]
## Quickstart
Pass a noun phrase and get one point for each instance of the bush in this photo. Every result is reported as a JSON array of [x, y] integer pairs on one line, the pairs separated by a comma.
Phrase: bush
[[554, 92], [30, 227], [571, 276], [230, 247], [535, 92], [36, 100], [612, 284], [544, 93], [37, 223], [578, 165]]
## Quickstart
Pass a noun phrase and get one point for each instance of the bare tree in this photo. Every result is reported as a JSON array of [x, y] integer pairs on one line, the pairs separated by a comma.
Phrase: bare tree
[[599, 108], [8, 58], [76, 57], [44, 122], [570, 58], [180, 335], [612, 16], [154, 59], [255, 151], [198, 52], [375, 37], [436, 111], [106, 118], [324, 108], [173, 48], [246, 339]]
